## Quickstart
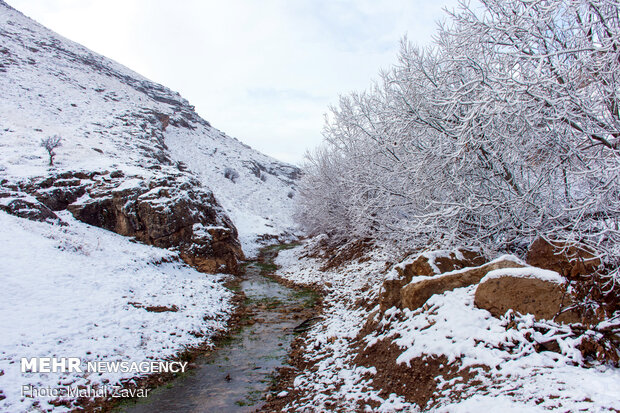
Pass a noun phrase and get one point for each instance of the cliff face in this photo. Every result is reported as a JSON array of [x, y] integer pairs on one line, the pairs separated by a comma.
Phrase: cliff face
[[126, 143]]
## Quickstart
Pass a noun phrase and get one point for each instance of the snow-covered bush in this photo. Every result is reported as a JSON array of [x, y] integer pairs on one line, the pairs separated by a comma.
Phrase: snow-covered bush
[[231, 174], [506, 129]]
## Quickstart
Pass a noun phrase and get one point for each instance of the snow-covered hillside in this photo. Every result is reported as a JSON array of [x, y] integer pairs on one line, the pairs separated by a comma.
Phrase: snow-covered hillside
[[256, 191], [111, 118], [134, 159]]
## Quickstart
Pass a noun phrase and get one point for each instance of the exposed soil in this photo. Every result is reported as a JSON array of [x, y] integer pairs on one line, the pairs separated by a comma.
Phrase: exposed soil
[[416, 382], [337, 254]]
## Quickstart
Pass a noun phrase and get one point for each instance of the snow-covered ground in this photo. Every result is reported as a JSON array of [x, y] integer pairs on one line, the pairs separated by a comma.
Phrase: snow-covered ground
[[80, 291], [508, 373]]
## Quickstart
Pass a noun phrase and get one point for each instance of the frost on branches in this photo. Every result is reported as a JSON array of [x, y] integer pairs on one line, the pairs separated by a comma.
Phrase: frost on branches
[[506, 129]]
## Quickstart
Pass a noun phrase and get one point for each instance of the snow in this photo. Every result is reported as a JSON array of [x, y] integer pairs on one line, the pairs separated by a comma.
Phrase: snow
[[513, 376], [337, 378], [432, 257], [256, 206], [512, 258], [78, 291], [482, 403], [527, 272]]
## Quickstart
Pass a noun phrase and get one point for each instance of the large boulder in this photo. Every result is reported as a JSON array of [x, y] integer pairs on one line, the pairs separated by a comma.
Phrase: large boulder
[[167, 212], [425, 264], [568, 261], [416, 293], [526, 290], [438, 262]]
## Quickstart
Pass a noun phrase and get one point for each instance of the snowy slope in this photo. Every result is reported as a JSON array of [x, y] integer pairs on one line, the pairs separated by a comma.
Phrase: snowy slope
[[81, 291], [112, 118], [259, 200]]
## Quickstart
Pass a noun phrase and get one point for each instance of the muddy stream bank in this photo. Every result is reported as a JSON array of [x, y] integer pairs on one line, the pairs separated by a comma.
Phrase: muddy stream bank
[[236, 376]]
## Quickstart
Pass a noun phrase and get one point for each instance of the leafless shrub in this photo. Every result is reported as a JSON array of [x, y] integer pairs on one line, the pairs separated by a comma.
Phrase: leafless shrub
[[50, 144]]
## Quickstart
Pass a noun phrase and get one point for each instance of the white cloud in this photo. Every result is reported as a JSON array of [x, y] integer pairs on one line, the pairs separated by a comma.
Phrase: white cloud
[[264, 72]]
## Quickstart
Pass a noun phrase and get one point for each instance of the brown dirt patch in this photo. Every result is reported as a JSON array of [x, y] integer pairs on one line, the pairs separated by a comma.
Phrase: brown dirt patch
[[416, 382], [341, 252], [155, 308]]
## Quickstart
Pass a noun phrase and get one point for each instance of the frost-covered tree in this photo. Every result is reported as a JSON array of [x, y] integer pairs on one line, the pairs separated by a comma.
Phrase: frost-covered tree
[[506, 129], [50, 144]]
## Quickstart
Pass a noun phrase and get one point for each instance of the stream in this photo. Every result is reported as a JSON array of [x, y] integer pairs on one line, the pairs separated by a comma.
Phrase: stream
[[236, 375]]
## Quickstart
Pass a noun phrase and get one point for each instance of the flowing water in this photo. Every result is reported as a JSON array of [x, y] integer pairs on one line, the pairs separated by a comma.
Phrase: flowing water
[[236, 376]]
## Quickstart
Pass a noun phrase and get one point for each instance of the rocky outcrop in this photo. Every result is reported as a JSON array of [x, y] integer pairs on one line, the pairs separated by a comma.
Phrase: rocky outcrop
[[164, 210], [167, 212], [426, 264], [60, 190], [438, 262], [23, 206], [561, 258], [526, 292], [416, 293], [213, 249]]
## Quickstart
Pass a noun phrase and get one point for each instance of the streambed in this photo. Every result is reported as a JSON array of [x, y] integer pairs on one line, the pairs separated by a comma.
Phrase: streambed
[[236, 376]]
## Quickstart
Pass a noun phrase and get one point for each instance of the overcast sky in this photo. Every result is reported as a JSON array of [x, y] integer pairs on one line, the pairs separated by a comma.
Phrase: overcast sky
[[262, 71]]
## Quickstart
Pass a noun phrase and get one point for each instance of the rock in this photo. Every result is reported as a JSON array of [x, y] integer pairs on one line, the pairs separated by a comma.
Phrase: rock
[[524, 291], [415, 294], [58, 198], [565, 260], [390, 294], [167, 212], [59, 190], [218, 253], [426, 264], [29, 209], [438, 262]]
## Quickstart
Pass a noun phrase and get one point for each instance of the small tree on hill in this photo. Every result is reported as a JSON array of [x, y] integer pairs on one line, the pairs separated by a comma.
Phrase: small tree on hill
[[50, 143]]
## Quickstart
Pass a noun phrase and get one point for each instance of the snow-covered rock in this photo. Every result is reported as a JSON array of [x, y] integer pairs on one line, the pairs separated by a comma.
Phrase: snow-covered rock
[[424, 265], [420, 289], [528, 290], [447, 356]]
